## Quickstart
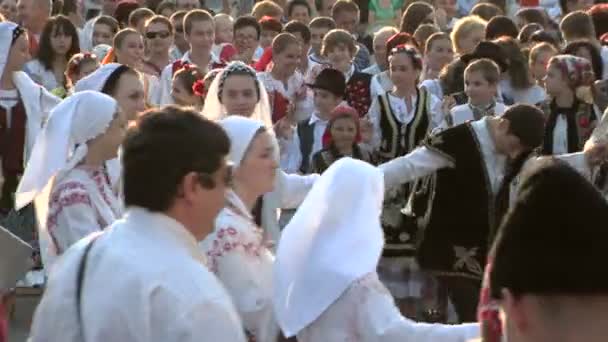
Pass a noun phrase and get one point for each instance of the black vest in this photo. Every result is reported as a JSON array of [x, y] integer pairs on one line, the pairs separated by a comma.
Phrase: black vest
[[456, 209], [306, 134], [397, 141]]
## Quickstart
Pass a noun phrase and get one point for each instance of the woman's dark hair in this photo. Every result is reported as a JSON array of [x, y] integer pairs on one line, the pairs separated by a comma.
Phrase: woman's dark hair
[[67, 6], [187, 77], [518, 63], [293, 3], [234, 72], [500, 26], [596, 58], [57, 25], [166, 145], [109, 88], [543, 37], [247, 21]]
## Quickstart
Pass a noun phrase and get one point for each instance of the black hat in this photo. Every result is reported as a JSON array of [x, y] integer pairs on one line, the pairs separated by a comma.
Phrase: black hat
[[331, 80], [554, 239], [527, 123], [490, 50]]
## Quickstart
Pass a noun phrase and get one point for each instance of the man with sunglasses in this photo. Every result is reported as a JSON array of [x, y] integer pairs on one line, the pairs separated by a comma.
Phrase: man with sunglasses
[[144, 278], [158, 32]]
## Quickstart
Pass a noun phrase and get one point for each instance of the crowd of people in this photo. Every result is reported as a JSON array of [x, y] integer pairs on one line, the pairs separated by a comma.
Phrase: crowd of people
[[319, 170]]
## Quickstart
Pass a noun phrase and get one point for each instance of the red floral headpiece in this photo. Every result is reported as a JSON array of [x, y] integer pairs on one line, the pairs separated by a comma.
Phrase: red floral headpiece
[[178, 65], [199, 89]]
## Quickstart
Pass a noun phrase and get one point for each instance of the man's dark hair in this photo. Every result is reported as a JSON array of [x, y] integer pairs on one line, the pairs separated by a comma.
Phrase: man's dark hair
[[597, 62], [295, 26], [500, 26], [526, 122], [248, 21], [293, 3], [166, 145]]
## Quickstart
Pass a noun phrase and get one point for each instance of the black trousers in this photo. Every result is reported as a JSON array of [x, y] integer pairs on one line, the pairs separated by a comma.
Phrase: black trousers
[[464, 295]]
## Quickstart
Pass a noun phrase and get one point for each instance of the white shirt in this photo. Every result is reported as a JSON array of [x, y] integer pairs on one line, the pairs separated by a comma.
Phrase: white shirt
[[560, 135], [380, 84], [236, 253], [146, 281], [433, 87], [366, 312], [423, 161], [166, 79], [463, 113], [373, 70], [402, 113], [41, 75], [531, 96], [291, 154]]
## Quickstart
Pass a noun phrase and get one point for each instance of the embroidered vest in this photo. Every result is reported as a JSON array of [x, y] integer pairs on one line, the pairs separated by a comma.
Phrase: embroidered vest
[[396, 139], [358, 92], [584, 118], [12, 146], [306, 133], [455, 208]]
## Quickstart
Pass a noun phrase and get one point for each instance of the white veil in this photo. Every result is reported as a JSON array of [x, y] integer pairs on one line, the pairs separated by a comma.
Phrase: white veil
[[213, 108]]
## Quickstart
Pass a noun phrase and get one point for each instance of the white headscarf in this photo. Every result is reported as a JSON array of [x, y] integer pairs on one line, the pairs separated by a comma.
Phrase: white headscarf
[[241, 131], [213, 108], [334, 239], [7, 30], [97, 80], [62, 143]]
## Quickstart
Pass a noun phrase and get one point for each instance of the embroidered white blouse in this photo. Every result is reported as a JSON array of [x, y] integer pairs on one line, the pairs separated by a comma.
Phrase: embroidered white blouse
[[39, 74], [366, 312], [295, 92], [236, 253], [82, 202]]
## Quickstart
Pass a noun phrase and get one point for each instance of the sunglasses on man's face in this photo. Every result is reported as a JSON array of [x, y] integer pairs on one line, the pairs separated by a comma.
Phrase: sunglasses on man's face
[[161, 34]]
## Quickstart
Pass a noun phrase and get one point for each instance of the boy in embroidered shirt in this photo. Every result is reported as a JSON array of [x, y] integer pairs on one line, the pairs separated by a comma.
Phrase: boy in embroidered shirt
[[481, 86]]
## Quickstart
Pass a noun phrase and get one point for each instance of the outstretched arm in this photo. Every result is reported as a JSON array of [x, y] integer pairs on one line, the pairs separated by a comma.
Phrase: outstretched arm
[[419, 163]]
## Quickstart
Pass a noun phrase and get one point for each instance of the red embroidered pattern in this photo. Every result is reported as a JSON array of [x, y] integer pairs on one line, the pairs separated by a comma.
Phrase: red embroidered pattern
[[229, 239], [60, 200]]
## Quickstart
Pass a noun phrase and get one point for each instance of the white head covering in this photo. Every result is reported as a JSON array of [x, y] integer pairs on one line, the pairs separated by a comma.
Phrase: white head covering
[[241, 131], [315, 262], [100, 51], [7, 30], [96, 80], [213, 108], [62, 143]]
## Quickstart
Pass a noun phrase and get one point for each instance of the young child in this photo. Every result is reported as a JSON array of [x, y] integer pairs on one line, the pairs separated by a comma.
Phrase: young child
[[467, 33], [339, 48], [318, 29], [188, 87], [569, 111], [329, 88], [341, 139], [79, 66], [539, 57], [481, 86]]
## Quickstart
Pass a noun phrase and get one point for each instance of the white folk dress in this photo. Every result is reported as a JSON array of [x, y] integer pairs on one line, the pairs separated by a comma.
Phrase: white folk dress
[[366, 312], [81, 202], [236, 253]]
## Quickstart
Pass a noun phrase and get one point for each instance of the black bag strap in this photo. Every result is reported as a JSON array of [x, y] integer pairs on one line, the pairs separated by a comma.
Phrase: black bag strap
[[80, 279]]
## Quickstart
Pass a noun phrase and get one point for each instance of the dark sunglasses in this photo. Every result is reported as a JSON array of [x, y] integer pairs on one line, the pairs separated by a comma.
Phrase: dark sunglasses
[[161, 34]]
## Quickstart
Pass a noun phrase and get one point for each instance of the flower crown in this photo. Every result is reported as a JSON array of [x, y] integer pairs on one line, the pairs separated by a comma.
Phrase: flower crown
[[408, 49]]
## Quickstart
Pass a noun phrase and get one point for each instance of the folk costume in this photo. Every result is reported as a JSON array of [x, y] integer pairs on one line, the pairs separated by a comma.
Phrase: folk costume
[[71, 200], [284, 96], [469, 112], [23, 111], [567, 129], [166, 76], [290, 189], [236, 250], [320, 291], [454, 233]]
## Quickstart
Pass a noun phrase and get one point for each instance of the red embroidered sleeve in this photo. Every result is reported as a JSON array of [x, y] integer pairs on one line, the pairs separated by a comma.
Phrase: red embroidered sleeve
[[227, 240]]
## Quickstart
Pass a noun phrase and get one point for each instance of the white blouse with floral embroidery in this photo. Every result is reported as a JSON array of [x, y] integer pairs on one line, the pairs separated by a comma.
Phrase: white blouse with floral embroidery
[[366, 312], [236, 253]]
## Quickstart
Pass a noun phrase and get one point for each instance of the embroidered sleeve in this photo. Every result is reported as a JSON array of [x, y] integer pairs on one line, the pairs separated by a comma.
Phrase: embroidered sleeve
[[244, 266], [71, 215]]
